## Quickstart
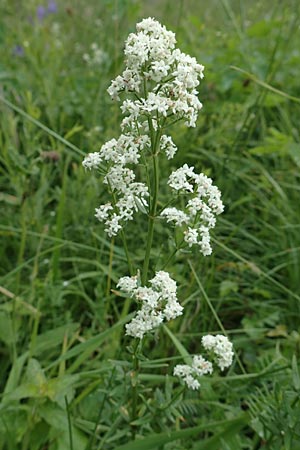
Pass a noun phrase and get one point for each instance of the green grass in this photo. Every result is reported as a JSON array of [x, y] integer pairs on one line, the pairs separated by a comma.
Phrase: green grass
[[65, 370]]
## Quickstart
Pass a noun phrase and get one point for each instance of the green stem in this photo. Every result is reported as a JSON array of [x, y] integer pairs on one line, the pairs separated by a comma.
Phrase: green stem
[[155, 145], [134, 382], [131, 272], [148, 250], [111, 256], [124, 240], [173, 254], [22, 244], [122, 234]]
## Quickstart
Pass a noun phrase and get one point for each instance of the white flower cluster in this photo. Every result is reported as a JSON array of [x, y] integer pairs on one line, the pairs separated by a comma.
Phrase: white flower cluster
[[188, 373], [168, 146], [175, 215], [131, 195], [200, 210], [125, 150], [158, 302], [164, 81], [221, 348], [171, 76]]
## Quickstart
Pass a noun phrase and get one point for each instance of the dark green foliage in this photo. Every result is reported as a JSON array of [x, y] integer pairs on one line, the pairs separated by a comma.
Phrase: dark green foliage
[[64, 372]]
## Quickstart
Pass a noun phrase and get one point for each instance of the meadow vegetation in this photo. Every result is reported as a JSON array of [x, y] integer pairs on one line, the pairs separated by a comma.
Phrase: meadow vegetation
[[66, 373]]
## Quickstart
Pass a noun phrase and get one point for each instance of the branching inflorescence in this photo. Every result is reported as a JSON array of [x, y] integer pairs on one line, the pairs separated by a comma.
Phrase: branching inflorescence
[[220, 350], [160, 83], [159, 302]]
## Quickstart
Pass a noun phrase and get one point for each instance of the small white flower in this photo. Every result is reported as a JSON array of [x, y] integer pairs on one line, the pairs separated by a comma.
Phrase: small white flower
[[119, 178], [112, 225], [191, 382], [191, 236], [159, 70], [204, 242], [128, 284], [168, 146], [150, 54], [208, 341], [221, 347], [180, 179], [145, 321], [158, 303], [163, 283], [115, 87], [102, 212], [195, 205], [200, 210], [92, 161], [172, 310], [182, 370], [201, 366], [186, 372], [190, 373], [175, 215]]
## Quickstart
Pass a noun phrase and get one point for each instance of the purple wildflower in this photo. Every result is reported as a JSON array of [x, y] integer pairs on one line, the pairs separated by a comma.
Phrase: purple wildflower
[[41, 12], [52, 7], [18, 50]]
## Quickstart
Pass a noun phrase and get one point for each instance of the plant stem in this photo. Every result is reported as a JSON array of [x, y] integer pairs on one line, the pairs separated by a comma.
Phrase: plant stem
[[134, 382], [155, 138], [178, 247], [124, 241], [111, 257], [123, 236]]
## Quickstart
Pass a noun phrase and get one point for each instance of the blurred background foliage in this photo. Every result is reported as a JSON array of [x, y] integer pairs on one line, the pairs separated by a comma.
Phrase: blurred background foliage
[[63, 354]]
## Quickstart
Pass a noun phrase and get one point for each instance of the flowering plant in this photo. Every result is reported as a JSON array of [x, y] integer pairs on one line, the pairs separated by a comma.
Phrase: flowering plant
[[160, 83]]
